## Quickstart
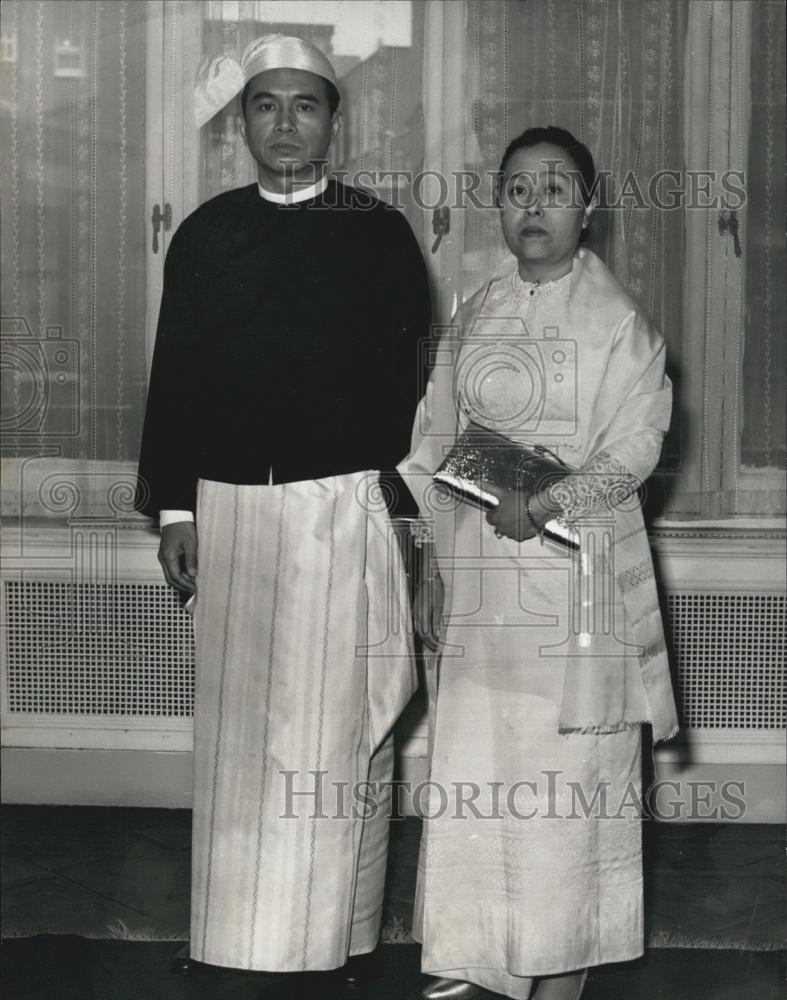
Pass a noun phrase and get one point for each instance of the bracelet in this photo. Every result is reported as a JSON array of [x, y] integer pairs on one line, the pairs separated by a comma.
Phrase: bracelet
[[535, 527]]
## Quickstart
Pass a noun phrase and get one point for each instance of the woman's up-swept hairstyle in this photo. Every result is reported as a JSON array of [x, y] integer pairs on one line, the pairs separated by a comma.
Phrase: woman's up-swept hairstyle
[[577, 151]]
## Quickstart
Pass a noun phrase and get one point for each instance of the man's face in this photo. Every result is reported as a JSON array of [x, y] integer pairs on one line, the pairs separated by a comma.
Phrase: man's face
[[288, 127]]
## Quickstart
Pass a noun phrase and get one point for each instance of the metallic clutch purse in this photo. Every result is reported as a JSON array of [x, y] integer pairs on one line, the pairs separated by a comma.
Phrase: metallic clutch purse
[[481, 455]]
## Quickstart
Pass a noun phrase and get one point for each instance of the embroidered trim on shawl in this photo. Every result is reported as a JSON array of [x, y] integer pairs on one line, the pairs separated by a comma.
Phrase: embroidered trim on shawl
[[601, 729], [602, 484], [615, 727], [634, 577], [650, 652]]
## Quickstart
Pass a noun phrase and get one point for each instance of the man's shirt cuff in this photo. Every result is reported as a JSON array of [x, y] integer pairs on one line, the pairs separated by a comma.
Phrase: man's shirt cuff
[[166, 517]]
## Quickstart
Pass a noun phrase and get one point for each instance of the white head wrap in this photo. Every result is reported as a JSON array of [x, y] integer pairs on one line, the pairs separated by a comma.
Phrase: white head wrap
[[222, 79]]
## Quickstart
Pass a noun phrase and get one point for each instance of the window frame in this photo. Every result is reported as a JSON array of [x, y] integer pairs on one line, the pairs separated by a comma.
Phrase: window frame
[[717, 101]]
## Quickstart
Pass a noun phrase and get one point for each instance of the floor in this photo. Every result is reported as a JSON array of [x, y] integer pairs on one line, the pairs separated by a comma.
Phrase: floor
[[74, 968], [89, 894]]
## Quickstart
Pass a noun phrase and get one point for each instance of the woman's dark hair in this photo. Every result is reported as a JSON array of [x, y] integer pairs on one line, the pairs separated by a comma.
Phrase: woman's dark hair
[[330, 90], [572, 147]]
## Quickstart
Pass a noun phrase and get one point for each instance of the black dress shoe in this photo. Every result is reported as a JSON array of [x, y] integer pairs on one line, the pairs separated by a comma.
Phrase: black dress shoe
[[454, 989], [182, 963], [357, 972]]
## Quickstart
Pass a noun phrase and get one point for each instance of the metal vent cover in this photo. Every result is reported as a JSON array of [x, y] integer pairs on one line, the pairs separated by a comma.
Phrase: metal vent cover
[[127, 649], [729, 652], [97, 649]]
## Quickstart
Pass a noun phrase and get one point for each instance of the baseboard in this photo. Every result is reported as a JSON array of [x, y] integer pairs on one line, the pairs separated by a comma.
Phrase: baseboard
[[154, 779], [136, 778]]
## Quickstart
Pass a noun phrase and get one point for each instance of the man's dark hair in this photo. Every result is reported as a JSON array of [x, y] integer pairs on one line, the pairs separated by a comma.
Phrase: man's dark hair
[[330, 89], [572, 147]]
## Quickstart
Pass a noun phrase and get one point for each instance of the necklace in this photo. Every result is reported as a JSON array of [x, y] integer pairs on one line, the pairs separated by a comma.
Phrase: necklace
[[537, 289]]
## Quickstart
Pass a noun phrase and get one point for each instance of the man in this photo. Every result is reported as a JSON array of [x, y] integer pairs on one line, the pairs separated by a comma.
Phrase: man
[[284, 379]]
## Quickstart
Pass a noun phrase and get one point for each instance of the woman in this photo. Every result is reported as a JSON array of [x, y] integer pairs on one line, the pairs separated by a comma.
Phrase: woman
[[549, 662]]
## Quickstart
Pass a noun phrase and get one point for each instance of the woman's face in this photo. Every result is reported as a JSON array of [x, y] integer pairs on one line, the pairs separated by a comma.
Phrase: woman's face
[[542, 214]]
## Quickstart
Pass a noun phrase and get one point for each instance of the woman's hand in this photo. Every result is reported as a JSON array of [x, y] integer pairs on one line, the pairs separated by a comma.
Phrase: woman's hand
[[428, 610], [510, 517]]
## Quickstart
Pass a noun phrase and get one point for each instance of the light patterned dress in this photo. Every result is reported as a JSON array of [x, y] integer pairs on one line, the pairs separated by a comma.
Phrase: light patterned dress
[[531, 858]]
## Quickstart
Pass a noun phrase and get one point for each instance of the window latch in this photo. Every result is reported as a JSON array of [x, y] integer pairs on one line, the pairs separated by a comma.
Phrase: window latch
[[160, 219], [441, 225], [728, 223]]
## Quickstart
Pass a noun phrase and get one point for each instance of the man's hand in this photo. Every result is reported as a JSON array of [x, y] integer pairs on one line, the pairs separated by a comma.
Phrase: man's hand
[[428, 610], [510, 517], [178, 555]]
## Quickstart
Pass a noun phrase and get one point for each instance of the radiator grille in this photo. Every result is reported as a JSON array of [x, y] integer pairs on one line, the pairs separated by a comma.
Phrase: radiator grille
[[729, 650], [127, 650], [98, 649]]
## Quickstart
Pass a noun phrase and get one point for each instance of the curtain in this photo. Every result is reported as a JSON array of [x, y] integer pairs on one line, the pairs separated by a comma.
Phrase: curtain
[[72, 128], [764, 356], [610, 72]]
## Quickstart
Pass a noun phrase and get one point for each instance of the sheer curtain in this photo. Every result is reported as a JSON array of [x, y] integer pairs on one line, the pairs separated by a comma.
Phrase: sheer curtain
[[765, 354], [611, 73], [74, 233], [72, 130]]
